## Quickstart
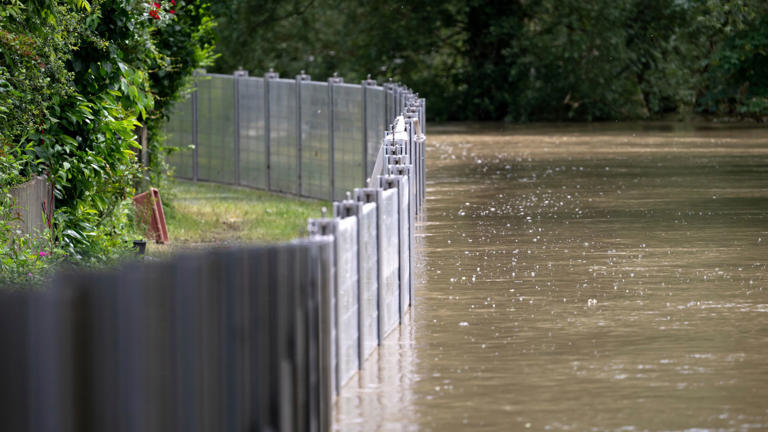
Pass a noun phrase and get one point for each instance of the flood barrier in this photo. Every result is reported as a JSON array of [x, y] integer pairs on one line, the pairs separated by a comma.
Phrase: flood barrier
[[316, 139], [249, 338]]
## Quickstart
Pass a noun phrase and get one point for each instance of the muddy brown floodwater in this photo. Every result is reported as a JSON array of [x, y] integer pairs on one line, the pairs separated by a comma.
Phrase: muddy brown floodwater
[[583, 278]]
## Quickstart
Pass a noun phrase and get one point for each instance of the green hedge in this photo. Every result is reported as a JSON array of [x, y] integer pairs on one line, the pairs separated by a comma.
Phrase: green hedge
[[77, 80]]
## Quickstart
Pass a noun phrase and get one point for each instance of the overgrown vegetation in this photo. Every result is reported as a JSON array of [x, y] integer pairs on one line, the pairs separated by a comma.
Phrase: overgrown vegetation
[[520, 60], [78, 80]]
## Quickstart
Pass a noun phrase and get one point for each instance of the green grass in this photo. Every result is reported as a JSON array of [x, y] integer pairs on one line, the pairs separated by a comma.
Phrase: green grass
[[202, 215]]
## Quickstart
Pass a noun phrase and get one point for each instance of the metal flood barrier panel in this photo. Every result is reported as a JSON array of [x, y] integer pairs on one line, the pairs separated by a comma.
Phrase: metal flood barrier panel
[[251, 122], [315, 140], [400, 183], [347, 152], [375, 124], [388, 266], [296, 136], [344, 302], [368, 260], [407, 172], [179, 135], [282, 143], [216, 128], [347, 295]]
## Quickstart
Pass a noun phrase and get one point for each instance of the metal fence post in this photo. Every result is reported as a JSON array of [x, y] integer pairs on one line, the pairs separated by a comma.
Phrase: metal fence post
[[424, 147], [363, 89], [267, 149], [331, 139], [238, 74], [299, 79], [364, 85], [195, 137]]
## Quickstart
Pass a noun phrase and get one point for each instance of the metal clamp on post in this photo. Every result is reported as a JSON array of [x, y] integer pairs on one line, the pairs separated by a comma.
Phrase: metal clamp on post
[[335, 79], [320, 227], [368, 82], [398, 160], [271, 74], [401, 170], [346, 208], [394, 150]]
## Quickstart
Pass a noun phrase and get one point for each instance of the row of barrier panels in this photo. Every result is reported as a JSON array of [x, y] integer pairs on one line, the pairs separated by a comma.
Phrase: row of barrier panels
[[374, 239], [295, 136], [244, 339]]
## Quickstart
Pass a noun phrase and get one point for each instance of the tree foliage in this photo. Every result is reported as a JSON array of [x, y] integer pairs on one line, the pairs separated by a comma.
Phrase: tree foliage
[[519, 60]]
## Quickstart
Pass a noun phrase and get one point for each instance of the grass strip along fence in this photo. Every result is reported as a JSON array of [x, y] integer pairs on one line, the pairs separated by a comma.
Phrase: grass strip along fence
[[250, 338]]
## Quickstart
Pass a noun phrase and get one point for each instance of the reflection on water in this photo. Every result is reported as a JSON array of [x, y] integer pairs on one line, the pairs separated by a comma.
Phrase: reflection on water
[[605, 277]]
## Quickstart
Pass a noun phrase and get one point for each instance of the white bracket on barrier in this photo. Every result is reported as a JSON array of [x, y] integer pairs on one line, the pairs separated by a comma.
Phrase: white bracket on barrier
[[398, 160]]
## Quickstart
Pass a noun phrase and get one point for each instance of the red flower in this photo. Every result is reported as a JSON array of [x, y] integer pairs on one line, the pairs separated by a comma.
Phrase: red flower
[[173, 2], [172, 11], [157, 5]]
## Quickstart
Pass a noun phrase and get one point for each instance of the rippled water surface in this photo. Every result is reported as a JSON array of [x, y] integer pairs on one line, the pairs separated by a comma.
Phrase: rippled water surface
[[608, 277]]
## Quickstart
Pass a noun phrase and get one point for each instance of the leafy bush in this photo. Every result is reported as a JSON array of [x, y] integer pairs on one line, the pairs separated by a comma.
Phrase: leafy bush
[[78, 79]]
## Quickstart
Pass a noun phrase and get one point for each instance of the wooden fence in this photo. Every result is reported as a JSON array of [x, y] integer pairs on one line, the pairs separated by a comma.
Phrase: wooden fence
[[33, 205]]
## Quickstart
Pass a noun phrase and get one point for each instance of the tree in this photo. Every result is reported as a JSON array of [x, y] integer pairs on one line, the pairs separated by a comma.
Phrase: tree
[[518, 60]]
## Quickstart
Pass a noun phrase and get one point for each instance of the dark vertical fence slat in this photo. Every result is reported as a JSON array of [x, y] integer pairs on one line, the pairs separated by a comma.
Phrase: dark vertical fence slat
[[52, 350], [282, 285], [101, 318], [187, 356], [239, 338], [325, 324], [15, 361], [211, 338], [300, 259], [258, 277]]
